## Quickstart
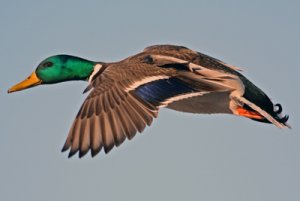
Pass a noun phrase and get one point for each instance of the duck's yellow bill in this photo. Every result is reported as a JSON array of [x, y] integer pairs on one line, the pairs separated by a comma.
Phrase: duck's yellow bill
[[31, 81]]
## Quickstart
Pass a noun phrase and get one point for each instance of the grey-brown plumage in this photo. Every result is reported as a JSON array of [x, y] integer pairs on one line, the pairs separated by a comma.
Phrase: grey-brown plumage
[[127, 95]]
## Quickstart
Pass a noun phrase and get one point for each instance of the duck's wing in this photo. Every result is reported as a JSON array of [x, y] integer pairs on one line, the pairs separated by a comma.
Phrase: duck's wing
[[110, 114], [119, 106], [125, 98]]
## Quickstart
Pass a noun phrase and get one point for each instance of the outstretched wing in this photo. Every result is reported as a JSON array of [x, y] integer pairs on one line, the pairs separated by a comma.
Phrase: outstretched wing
[[120, 105], [110, 114]]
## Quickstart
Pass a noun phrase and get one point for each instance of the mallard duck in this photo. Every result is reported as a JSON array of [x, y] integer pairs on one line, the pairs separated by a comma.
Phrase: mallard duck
[[126, 95]]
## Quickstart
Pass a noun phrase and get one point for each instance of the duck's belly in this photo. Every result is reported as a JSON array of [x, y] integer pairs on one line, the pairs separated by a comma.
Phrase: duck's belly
[[208, 103]]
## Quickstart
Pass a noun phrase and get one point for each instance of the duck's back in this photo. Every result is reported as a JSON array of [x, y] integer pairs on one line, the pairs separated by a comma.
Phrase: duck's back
[[191, 56]]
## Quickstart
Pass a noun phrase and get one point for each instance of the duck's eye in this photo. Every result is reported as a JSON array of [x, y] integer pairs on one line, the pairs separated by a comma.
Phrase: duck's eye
[[47, 64]]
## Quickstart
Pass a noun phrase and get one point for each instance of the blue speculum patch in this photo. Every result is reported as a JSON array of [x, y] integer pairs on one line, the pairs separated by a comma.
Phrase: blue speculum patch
[[158, 91]]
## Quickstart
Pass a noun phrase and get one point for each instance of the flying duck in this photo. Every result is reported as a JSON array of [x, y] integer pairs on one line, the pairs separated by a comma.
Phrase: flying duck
[[125, 96]]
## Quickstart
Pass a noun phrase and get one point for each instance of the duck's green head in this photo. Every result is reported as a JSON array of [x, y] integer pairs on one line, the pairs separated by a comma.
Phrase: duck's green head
[[56, 69]]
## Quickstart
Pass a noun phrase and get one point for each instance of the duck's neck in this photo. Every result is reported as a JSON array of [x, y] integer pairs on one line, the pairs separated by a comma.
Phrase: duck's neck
[[96, 68], [80, 69]]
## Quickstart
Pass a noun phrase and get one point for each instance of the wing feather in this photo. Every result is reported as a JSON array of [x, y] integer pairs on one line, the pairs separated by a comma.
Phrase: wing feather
[[106, 119]]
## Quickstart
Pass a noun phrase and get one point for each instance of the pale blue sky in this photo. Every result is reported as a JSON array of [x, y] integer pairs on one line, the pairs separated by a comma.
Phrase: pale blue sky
[[181, 156]]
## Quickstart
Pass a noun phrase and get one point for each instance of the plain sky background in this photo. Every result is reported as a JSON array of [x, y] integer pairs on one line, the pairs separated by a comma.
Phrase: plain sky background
[[181, 156]]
